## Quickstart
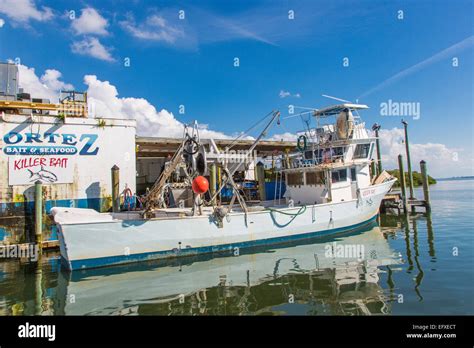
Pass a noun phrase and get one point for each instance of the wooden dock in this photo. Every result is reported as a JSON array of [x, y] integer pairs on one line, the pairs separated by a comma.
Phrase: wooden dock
[[404, 201], [394, 201]]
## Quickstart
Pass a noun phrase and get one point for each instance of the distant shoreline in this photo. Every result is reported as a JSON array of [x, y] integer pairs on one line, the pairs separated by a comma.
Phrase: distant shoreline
[[456, 178]]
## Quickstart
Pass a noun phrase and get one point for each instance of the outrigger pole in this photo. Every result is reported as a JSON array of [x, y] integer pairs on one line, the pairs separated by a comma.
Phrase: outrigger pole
[[230, 174]]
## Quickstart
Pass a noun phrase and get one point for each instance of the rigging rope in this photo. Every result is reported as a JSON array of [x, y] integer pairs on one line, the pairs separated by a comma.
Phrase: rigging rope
[[248, 130], [293, 215], [299, 212]]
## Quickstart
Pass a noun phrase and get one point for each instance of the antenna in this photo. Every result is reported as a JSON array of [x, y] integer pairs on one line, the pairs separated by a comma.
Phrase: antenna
[[299, 114], [311, 110], [304, 107], [339, 99]]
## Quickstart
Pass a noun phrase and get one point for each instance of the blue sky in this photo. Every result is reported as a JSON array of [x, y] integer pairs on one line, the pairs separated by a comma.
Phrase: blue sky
[[190, 61]]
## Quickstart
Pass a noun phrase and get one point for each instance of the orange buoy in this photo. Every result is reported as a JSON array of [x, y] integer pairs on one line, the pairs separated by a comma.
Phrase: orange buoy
[[200, 185]]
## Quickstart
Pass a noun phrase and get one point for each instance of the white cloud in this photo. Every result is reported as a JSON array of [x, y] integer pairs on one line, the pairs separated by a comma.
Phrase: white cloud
[[287, 136], [21, 11], [47, 86], [285, 94], [105, 102], [51, 77], [155, 28], [91, 46], [442, 161], [90, 22], [2, 22]]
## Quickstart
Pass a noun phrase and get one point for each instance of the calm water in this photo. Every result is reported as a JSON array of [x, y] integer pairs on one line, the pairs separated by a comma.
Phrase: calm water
[[423, 266]]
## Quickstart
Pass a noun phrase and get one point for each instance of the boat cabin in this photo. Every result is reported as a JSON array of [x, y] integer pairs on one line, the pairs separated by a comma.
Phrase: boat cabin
[[333, 160]]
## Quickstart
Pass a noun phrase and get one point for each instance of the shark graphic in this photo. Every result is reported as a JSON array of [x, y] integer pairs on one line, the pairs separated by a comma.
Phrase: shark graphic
[[43, 175]]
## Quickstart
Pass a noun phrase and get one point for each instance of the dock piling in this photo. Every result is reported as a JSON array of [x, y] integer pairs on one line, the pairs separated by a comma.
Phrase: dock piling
[[407, 147], [376, 128], [373, 170], [39, 213], [402, 183], [287, 159], [426, 190], [115, 189], [38, 288]]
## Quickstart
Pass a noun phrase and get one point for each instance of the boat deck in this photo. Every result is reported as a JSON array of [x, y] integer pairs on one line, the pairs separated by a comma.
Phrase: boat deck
[[75, 215]]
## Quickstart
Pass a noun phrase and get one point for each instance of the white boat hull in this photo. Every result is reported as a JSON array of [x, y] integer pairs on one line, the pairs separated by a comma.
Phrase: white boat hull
[[97, 244]]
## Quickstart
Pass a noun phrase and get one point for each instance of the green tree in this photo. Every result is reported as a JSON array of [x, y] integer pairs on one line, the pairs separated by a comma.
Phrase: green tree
[[417, 181]]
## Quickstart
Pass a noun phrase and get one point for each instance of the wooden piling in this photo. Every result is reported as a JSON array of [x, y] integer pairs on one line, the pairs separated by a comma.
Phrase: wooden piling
[[373, 169], [38, 288], [402, 183], [39, 213], [379, 156], [115, 189], [426, 190], [287, 159], [430, 234], [39, 243], [407, 148], [261, 181]]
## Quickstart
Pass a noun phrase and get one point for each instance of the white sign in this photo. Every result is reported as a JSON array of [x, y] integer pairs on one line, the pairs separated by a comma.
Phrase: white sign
[[26, 170]]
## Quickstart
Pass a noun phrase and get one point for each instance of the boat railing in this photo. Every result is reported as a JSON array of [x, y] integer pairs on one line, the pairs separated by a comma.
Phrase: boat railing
[[299, 160], [306, 164], [327, 133]]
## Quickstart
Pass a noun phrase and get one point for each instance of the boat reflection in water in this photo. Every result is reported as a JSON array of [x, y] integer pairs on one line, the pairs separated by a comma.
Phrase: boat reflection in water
[[244, 284], [291, 279]]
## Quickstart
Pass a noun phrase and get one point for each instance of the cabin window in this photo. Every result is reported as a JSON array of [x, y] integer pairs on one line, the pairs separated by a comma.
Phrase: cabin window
[[339, 175], [353, 174], [314, 178], [338, 151], [308, 155], [362, 151], [294, 179], [329, 154]]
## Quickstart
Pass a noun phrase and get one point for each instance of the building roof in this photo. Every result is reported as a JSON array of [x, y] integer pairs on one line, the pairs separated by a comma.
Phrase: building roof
[[162, 147]]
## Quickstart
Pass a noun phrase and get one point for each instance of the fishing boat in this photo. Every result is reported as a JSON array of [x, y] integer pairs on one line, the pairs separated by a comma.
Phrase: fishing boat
[[329, 190]]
